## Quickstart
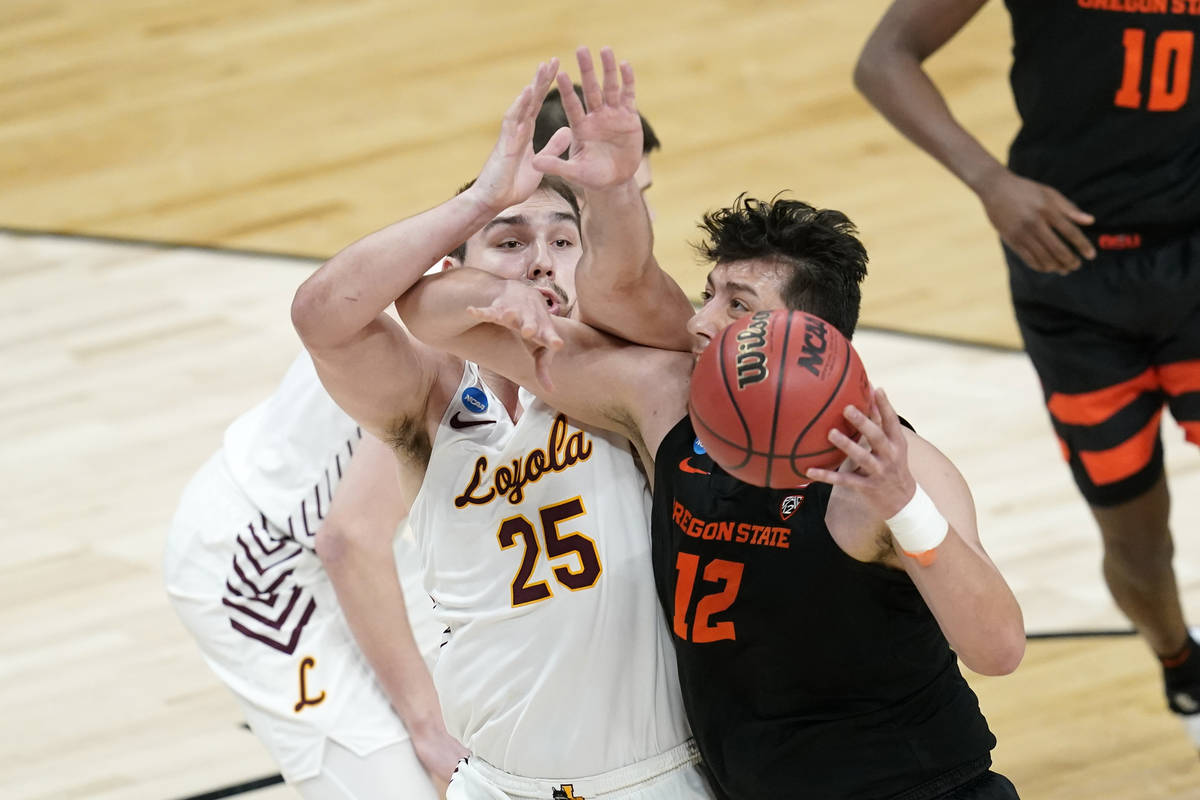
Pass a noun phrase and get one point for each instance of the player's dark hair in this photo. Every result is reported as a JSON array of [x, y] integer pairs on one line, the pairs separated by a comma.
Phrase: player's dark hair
[[552, 117], [821, 246], [549, 183]]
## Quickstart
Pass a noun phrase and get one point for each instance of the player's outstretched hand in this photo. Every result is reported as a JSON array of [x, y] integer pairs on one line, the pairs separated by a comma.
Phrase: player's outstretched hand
[[508, 176], [1037, 222], [876, 464], [605, 138], [525, 310]]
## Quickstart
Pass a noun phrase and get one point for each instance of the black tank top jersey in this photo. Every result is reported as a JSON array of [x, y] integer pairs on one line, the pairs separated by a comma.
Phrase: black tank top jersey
[[805, 673], [1109, 108]]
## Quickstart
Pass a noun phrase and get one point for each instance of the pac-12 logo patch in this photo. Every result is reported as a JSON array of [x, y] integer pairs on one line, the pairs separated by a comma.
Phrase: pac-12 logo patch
[[789, 505], [698, 448], [566, 792], [474, 399]]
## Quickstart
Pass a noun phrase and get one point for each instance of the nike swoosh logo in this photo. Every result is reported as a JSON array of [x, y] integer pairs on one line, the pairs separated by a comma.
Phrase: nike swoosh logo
[[686, 466], [459, 424]]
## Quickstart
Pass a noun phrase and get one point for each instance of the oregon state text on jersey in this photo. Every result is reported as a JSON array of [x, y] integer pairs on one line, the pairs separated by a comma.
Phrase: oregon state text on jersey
[[535, 544], [805, 673]]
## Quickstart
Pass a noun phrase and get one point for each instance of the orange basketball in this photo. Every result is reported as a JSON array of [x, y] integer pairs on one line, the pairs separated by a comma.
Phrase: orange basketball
[[767, 391]]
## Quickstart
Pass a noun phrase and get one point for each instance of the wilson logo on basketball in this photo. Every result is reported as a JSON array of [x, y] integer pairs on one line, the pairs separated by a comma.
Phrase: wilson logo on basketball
[[812, 352], [751, 360]]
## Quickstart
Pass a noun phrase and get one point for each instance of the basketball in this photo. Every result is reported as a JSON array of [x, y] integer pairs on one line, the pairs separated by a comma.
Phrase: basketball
[[766, 392]]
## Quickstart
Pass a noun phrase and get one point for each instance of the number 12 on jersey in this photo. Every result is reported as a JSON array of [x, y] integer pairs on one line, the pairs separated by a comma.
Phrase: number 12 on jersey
[[1170, 71], [726, 573]]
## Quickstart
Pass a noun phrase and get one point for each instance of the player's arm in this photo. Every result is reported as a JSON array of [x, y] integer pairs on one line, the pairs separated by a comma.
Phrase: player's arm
[[1039, 223], [369, 364], [354, 544], [885, 477], [598, 379], [621, 288]]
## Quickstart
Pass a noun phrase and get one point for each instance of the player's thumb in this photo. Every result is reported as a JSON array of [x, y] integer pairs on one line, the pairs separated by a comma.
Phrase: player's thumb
[[548, 158]]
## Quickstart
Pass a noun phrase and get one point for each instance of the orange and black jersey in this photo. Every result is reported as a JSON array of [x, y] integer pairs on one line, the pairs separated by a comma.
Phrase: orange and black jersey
[[805, 673], [1106, 90]]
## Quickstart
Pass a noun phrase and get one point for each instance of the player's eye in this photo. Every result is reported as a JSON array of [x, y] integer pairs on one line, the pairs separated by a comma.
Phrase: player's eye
[[739, 306], [705, 296], [509, 244], [563, 243]]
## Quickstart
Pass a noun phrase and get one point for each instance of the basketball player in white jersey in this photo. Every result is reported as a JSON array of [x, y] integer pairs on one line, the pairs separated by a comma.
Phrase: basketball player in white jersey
[[556, 670], [242, 570]]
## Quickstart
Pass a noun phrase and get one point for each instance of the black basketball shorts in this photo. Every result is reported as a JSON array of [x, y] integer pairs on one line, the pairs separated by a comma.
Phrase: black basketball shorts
[[1112, 344]]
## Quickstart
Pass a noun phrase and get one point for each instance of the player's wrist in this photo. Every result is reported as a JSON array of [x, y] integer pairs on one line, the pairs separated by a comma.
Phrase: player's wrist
[[919, 528]]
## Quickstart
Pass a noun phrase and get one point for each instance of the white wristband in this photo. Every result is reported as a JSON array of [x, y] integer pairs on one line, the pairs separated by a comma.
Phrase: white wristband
[[918, 527]]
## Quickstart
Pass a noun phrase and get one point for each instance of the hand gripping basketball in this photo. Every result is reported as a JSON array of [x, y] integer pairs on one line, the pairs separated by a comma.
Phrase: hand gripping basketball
[[768, 390]]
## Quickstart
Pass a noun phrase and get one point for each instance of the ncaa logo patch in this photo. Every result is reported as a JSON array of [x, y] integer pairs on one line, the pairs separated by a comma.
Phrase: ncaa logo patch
[[474, 399], [698, 448], [789, 506]]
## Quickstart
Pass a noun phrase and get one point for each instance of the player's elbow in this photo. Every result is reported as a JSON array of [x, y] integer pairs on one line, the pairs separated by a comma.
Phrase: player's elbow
[[1000, 655], [333, 543], [309, 310], [870, 70]]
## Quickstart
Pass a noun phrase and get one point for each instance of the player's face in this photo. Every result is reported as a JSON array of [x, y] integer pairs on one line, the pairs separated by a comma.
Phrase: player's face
[[537, 240], [733, 290]]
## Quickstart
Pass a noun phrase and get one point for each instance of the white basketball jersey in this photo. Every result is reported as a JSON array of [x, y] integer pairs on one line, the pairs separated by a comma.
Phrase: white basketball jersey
[[288, 452], [536, 547]]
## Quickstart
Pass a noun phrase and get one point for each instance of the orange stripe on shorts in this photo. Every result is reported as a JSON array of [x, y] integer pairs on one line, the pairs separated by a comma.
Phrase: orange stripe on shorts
[[1092, 408], [1179, 378], [1191, 431], [1118, 463]]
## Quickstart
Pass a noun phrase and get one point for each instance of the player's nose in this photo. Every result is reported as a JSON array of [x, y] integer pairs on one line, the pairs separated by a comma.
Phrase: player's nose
[[702, 328], [542, 264]]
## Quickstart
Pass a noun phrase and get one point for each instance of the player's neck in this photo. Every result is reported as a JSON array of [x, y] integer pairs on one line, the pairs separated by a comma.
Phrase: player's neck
[[506, 390]]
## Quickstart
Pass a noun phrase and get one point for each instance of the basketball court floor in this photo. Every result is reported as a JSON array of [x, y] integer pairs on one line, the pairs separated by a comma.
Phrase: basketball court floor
[[169, 172]]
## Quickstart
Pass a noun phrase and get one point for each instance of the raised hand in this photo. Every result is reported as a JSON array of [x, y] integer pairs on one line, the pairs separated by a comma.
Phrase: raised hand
[[1037, 222], [525, 310], [508, 176], [605, 138]]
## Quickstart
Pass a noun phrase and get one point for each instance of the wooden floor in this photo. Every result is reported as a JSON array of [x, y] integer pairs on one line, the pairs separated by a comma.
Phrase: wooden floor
[[294, 126]]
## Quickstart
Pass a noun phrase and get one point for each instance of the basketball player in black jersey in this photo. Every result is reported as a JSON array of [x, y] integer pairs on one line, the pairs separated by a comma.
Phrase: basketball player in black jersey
[[817, 659], [1099, 213]]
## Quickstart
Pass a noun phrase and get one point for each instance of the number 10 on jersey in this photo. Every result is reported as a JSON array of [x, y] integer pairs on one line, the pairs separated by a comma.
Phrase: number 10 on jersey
[[1170, 70]]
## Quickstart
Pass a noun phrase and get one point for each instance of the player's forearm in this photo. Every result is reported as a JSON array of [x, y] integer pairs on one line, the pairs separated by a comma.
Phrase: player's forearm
[[434, 309], [356, 285], [895, 83], [367, 585], [621, 287], [974, 606]]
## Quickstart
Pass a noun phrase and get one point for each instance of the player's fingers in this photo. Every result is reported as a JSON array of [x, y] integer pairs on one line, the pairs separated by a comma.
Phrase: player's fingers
[[1068, 230], [1063, 256], [612, 82], [593, 96], [871, 430], [889, 418], [863, 458], [1077, 215], [572, 107], [1038, 258], [628, 96], [555, 147]]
